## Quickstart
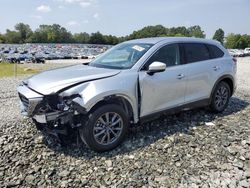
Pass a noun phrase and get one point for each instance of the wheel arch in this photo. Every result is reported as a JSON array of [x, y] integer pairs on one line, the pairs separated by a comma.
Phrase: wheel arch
[[120, 100], [226, 78]]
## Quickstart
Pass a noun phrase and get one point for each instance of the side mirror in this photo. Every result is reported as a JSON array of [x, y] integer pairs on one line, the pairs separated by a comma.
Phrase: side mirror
[[156, 67]]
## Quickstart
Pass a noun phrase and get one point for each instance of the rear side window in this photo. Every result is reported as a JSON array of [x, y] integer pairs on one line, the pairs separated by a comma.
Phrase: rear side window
[[214, 51], [196, 52]]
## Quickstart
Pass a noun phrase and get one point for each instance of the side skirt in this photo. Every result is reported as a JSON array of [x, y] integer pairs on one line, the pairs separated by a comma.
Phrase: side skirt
[[189, 106]]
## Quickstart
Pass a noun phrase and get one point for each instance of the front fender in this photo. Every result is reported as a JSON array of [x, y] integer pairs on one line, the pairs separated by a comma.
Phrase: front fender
[[100, 97], [122, 85]]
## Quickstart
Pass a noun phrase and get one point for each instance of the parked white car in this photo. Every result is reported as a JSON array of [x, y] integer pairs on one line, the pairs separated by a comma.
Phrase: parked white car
[[236, 52], [247, 51]]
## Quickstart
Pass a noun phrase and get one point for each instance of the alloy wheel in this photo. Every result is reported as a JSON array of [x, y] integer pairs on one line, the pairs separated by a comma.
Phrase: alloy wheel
[[108, 128], [221, 97]]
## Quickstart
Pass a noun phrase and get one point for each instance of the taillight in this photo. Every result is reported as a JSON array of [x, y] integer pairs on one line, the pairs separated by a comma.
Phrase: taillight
[[235, 60]]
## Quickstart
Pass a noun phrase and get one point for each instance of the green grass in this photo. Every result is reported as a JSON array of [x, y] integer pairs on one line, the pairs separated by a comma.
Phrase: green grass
[[8, 70]]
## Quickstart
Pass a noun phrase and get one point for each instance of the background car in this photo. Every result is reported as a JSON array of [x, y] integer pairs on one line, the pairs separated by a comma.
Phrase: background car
[[247, 51]]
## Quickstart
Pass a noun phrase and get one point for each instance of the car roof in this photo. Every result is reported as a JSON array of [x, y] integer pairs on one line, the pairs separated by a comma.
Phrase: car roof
[[156, 40]]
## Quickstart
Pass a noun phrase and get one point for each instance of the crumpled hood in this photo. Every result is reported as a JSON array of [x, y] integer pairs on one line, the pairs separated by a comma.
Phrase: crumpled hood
[[52, 81]]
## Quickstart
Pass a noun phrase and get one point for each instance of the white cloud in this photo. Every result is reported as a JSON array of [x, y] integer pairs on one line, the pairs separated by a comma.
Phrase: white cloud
[[73, 1], [85, 4], [73, 23], [82, 3], [85, 21], [43, 8], [36, 17], [96, 16], [61, 7]]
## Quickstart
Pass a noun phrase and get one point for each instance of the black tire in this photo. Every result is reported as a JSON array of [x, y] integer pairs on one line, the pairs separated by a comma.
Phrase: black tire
[[216, 105], [88, 130]]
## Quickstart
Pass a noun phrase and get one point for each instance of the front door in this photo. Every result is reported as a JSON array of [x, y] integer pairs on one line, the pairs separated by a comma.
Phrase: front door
[[163, 90]]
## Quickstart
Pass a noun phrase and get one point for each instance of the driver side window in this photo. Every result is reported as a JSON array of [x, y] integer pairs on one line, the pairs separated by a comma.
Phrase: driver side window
[[168, 54]]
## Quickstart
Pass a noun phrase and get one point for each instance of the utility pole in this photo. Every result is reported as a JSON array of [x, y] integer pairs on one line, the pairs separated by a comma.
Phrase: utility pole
[[15, 69]]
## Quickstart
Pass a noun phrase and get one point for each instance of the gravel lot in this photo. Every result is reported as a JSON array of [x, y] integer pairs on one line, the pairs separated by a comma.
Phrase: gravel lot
[[182, 150]]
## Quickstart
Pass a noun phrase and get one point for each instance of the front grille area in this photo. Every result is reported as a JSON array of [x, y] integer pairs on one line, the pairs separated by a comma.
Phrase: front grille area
[[29, 100], [28, 106]]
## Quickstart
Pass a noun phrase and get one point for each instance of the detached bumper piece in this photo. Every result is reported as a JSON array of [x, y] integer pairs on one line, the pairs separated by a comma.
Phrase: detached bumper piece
[[61, 125], [62, 133], [57, 133], [52, 116]]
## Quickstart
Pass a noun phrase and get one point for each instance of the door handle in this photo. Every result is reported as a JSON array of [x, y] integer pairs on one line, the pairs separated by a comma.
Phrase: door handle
[[216, 68], [180, 76]]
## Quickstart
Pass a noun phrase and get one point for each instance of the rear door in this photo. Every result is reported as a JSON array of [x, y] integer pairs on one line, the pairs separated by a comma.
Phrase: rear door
[[163, 90], [202, 71]]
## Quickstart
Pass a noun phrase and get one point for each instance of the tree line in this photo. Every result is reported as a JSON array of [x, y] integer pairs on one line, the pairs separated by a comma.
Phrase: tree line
[[58, 34]]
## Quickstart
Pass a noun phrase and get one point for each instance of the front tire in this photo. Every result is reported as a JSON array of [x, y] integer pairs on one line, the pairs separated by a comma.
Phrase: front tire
[[220, 97], [105, 128]]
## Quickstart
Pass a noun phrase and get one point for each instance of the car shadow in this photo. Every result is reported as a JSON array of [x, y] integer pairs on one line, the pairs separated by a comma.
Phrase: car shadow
[[148, 133]]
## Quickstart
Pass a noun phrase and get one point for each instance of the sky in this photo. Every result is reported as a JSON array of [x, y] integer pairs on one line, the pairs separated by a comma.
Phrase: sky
[[122, 17]]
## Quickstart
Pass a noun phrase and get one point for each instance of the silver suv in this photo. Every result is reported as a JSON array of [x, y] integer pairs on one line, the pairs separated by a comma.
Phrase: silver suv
[[130, 83]]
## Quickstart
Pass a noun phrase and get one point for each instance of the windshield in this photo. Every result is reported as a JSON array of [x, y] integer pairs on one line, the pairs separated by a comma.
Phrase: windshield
[[122, 56]]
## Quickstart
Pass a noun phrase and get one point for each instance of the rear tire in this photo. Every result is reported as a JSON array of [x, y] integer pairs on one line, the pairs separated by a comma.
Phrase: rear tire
[[220, 97], [105, 128]]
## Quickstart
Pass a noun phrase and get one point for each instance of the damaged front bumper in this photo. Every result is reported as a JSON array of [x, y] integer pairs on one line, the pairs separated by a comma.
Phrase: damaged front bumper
[[46, 109], [48, 117]]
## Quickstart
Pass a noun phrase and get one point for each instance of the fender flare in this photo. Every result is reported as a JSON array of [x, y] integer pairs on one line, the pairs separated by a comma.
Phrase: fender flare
[[124, 96], [227, 76]]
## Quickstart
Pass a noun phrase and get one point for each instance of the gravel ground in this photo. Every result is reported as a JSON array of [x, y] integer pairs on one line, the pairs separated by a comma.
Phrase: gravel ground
[[182, 150]]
